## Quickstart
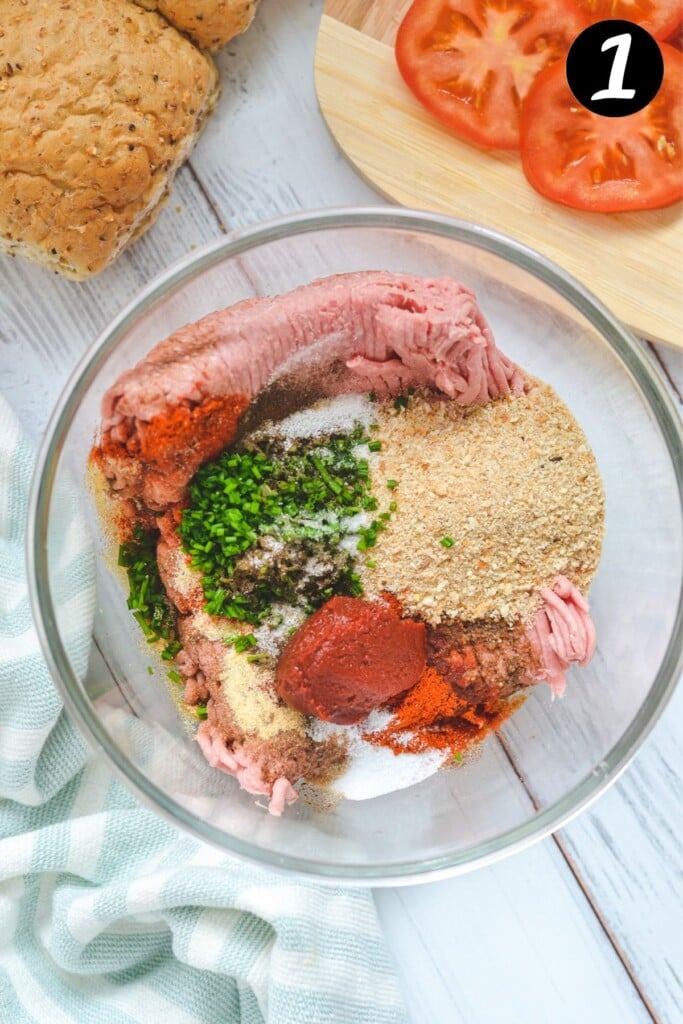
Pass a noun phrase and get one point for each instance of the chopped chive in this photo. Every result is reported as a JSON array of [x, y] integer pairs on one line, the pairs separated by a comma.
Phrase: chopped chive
[[150, 670], [241, 641], [171, 649], [457, 756], [174, 676], [145, 626], [446, 542], [375, 446], [370, 564], [392, 506], [368, 535], [392, 484], [334, 485], [252, 501], [201, 711], [400, 403], [146, 597]]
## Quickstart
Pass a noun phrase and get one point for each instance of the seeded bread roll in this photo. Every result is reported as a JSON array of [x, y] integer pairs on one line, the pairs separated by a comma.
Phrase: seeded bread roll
[[100, 103], [211, 23]]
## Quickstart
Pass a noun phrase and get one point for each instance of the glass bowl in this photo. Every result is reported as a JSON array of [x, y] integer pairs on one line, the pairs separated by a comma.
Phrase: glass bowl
[[552, 758]]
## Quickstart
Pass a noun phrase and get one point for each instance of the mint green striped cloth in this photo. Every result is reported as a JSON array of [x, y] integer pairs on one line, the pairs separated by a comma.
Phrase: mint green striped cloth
[[107, 914]]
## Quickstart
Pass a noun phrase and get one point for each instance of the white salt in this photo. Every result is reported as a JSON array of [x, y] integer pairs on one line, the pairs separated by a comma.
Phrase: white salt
[[352, 526], [272, 639], [330, 415], [375, 770]]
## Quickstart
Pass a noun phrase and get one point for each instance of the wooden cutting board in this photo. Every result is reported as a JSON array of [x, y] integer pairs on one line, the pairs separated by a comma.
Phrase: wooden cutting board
[[633, 262]]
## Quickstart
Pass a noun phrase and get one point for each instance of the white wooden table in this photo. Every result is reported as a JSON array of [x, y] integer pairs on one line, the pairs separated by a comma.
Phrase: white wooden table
[[585, 927]]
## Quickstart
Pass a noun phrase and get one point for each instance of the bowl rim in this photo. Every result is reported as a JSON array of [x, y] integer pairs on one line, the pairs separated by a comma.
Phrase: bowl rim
[[78, 705]]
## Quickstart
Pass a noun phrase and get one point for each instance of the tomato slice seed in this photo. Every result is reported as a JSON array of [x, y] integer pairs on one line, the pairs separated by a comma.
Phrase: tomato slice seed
[[607, 164], [471, 62]]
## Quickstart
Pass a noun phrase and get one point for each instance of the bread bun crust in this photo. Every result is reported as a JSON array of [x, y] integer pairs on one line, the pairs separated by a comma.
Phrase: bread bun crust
[[210, 23], [100, 103]]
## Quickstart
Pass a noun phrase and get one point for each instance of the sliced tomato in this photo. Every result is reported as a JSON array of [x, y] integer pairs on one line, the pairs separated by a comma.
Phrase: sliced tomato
[[472, 62], [592, 162], [660, 17]]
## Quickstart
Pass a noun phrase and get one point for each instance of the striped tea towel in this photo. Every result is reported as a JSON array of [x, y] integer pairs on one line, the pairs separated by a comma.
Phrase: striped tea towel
[[107, 914]]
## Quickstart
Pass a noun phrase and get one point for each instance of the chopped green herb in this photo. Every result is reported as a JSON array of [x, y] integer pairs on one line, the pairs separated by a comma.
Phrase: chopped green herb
[[368, 536], [446, 542], [174, 676], [170, 650], [392, 506], [375, 446], [260, 656], [201, 711], [370, 564], [334, 485], [458, 756], [241, 641], [259, 514], [146, 597], [400, 403], [150, 670], [392, 484]]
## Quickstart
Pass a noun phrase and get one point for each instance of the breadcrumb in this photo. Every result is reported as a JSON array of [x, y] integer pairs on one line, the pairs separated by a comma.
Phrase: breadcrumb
[[513, 483]]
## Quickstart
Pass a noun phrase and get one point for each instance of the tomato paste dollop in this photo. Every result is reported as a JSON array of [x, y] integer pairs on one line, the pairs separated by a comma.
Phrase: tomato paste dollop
[[349, 658]]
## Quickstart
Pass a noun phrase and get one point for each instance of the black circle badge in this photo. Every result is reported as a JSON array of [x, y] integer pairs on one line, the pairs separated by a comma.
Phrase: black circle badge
[[615, 68]]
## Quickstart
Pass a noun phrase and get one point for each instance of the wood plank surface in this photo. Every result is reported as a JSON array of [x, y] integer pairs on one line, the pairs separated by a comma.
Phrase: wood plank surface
[[585, 927], [562, 971], [626, 852], [266, 151], [633, 262], [47, 322]]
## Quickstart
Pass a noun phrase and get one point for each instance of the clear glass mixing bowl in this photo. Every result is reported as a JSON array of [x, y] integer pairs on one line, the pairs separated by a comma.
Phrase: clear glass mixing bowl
[[552, 758]]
